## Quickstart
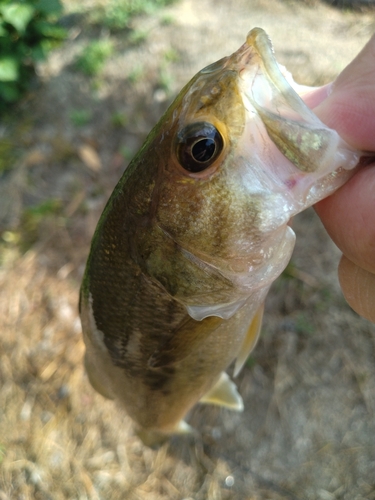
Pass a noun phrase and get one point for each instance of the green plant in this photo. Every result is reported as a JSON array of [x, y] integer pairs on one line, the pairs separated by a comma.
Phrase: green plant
[[33, 217], [119, 119], [167, 20], [92, 58], [251, 362], [7, 155], [166, 78], [171, 55], [304, 325], [127, 153], [28, 30], [80, 117], [136, 74], [116, 14], [136, 37]]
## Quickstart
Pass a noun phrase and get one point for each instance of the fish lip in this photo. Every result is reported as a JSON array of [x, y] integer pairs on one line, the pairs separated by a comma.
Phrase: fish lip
[[262, 78]]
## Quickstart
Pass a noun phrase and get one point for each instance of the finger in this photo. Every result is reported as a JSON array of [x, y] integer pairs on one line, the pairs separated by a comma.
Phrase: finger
[[315, 96], [349, 217], [350, 106], [358, 287]]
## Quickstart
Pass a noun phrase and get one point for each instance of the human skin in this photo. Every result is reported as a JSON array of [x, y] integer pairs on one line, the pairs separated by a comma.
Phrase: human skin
[[348, 106]]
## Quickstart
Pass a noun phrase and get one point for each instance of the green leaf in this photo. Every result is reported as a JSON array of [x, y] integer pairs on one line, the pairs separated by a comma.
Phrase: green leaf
[[49, 30], [18, 15], [8, 69], [8, 93], [38, 53], [49, 7], [3, 31], [93, 57]]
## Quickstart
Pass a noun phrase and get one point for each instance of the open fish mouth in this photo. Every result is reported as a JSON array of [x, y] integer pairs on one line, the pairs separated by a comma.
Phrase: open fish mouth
[[279, 114]]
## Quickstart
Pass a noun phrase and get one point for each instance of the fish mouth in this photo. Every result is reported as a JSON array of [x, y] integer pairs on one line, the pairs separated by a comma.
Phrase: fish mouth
[[275, 112], [292, 126], [268, 76]]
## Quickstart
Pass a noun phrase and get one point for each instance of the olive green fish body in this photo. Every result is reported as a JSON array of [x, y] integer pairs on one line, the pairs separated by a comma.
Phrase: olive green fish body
[[195, 233], [131, 324]]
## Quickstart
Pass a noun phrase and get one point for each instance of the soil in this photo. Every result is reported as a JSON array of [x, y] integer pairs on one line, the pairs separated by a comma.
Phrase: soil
[[308, 428]]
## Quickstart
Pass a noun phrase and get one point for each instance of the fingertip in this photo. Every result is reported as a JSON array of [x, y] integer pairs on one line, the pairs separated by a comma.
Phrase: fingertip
[[351, 113], [350, 105]]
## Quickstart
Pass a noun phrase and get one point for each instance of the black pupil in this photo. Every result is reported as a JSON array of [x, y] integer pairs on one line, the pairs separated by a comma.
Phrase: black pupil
[[198, 146], [203, 150]]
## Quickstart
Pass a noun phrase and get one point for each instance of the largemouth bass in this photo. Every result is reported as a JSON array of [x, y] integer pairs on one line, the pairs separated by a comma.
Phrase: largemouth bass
[[195, 233]]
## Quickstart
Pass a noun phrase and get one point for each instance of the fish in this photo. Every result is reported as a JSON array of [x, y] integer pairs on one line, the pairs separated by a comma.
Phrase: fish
[[194, 234]]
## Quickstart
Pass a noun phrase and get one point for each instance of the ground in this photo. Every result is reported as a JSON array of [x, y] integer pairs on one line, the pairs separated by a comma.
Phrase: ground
[[308, 429]]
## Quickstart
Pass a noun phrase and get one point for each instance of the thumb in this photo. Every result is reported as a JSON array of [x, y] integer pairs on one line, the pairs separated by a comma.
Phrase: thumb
[[350, 105], [349, 214]]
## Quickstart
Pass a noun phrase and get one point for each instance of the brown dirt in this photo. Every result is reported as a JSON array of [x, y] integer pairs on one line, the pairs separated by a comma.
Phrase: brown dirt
[[308, 429]]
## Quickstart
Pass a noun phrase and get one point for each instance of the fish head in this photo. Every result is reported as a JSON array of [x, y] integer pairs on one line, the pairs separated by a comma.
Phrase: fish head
[[238, 154]]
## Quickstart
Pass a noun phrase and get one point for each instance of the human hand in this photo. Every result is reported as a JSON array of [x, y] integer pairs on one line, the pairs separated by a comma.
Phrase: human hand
[[349, 214]]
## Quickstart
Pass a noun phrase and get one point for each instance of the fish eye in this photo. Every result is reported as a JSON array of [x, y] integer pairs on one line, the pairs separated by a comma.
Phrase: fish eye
[[198, 146]]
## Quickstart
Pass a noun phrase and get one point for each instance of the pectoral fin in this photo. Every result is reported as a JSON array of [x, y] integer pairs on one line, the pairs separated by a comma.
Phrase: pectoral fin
[[250, 340], [224, 393], [184, 341]]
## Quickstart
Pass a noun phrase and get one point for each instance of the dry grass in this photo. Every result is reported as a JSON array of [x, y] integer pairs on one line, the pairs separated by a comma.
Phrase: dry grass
[[308, 430]]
